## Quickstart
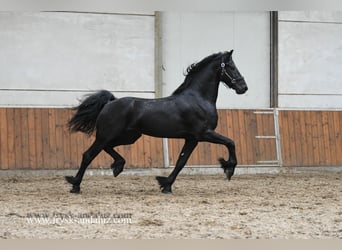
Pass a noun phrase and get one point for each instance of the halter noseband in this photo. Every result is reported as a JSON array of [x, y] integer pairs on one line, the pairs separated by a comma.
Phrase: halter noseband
[[224, 72]]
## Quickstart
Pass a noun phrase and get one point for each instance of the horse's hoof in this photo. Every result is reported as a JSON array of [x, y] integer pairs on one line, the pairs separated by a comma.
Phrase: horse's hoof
[[228, 167], [164, 184], [70, 179], [166, 191], [75, 189], [117, 170], [117, 167], [229, 173]]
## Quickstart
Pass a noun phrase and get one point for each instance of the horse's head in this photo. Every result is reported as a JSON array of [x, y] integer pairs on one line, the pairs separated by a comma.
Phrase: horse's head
[[230, 75]]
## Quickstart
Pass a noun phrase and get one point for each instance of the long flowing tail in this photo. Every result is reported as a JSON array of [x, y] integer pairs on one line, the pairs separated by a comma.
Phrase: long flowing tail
[[84, 120]]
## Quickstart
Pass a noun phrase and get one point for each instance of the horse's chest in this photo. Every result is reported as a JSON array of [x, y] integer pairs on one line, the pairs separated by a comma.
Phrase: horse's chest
[[204, 118], [212, 120]]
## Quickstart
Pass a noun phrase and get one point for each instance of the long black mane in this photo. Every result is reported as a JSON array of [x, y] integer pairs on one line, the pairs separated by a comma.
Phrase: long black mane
[[194, 68]]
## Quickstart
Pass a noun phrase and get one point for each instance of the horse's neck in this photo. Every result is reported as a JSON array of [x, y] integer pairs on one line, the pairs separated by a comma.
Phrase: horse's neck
[[206, 85]]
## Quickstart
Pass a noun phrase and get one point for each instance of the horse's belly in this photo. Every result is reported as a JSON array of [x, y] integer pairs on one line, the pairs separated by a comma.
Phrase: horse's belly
[[162, 128]]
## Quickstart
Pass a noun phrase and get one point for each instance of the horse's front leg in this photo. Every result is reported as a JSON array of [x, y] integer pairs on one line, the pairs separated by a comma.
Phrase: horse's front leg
[[166, 182], [228, 166]]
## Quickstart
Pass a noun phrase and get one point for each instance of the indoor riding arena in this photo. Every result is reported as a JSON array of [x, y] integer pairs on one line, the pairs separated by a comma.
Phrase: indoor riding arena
[[287, 127]]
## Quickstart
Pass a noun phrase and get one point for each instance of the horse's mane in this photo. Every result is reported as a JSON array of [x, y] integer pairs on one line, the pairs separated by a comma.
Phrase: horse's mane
[[194, 68]]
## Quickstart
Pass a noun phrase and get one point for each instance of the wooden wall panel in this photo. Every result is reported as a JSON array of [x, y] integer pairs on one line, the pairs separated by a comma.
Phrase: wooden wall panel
[[242, 126], [38, 138], [308, 138], [4, 152], [311, 138], [10, 139]]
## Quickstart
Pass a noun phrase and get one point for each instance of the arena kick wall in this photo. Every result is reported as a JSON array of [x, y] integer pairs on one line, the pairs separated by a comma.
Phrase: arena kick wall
[[37, 138]]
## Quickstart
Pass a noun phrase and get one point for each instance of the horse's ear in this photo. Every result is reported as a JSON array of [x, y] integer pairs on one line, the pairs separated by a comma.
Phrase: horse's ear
[[231, 52]]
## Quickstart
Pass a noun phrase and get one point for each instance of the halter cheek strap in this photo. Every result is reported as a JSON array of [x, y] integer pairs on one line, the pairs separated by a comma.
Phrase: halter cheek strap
[[224, 72]]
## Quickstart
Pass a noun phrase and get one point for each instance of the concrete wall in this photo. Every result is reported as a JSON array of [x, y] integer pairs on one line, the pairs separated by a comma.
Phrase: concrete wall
[[189, 37], [51, 59], [310, 59]]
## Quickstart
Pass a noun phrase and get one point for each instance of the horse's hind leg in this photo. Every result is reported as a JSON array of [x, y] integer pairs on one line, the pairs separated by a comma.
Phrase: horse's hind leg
[[88, 157], [126, 138], [119, 161]]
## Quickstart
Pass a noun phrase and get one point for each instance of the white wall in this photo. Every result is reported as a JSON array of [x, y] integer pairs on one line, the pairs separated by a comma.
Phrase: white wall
[[310, 59], [189, 37], [51, 59]]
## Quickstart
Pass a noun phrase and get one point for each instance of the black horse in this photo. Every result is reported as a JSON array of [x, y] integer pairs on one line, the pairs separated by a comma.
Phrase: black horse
[[189, 113]]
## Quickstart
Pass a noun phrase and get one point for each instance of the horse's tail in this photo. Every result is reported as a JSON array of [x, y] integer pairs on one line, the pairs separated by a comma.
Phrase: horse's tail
[[84, 120]]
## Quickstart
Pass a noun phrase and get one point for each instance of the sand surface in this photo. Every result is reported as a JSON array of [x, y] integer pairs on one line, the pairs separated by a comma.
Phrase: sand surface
[[282, 206]]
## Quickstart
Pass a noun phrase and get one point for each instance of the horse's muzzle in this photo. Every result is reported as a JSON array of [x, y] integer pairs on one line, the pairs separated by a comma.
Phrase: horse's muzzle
[[241, 89]]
